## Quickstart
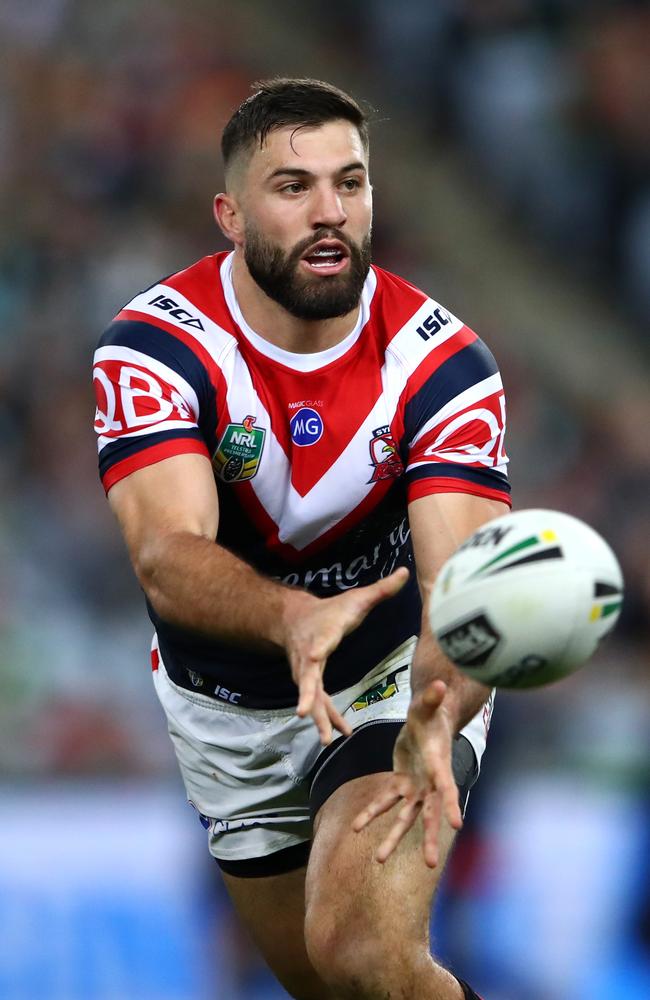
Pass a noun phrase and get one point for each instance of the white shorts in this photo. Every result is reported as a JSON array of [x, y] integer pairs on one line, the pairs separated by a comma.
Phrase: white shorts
[[251, 774]]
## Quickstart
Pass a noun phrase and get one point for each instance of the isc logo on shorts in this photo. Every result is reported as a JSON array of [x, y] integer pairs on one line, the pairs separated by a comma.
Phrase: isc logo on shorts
[[306, 427], [234, 697]]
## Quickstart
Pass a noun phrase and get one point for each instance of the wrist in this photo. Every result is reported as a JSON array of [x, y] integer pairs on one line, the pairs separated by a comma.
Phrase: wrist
[[293, 604]]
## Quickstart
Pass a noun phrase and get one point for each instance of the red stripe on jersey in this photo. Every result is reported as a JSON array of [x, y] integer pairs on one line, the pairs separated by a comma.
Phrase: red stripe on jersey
[[185, 337], [149, 456], [264, 376], [355, 516], [155, 659], [443, 484], [288, 394], [270, 531], [201, 284], [394, 303], [262, 520]]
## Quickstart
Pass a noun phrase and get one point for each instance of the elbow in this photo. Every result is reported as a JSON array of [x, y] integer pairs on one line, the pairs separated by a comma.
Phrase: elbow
[[146, 562], [149, 567]]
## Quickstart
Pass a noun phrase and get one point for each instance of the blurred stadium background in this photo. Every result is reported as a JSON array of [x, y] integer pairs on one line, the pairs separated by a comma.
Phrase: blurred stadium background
[[511, 166]]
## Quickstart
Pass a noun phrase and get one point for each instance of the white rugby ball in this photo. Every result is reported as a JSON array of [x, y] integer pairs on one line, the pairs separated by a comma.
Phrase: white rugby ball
[[526, 599]]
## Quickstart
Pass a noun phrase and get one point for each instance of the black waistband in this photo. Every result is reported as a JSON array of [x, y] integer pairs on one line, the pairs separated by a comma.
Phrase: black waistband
[[203, 684]]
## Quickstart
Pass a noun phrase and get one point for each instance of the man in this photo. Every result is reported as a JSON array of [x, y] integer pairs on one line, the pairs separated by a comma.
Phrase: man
[[329, 426]]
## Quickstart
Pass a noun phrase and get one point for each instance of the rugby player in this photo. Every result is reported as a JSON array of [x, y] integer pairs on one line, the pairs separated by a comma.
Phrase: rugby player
[[293, 441]]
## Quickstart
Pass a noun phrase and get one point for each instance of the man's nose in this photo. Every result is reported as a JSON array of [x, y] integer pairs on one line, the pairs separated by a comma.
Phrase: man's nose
[[327, 209]]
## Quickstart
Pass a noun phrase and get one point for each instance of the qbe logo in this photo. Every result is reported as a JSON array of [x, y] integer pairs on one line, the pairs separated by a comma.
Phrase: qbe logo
[[306, 427]]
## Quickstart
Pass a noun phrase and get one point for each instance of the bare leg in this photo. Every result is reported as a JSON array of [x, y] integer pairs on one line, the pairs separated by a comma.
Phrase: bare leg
[[273, 911], [367, 925]]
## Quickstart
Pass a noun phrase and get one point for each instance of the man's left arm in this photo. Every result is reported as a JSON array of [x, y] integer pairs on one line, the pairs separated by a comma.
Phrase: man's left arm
[[443, 699], [439, 524]]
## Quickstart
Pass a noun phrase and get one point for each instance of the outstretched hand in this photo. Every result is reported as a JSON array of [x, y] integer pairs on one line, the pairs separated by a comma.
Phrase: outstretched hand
[[422, 780], [316, 632]]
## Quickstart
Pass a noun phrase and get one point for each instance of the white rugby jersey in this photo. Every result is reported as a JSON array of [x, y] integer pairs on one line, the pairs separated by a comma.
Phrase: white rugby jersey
[[316, 456]]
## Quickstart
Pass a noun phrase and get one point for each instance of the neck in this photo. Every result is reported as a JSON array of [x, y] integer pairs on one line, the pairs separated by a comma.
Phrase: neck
[[272, 321]]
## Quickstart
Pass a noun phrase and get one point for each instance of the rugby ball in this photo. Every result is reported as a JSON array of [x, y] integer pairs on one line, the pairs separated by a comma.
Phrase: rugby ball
[[526, 599]]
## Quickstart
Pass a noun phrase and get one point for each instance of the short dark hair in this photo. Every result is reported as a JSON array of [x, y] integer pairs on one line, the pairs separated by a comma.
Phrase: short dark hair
[[286, 101]]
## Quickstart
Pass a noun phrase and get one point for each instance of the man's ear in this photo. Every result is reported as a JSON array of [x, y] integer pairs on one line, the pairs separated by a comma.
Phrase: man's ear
[[229, 218]]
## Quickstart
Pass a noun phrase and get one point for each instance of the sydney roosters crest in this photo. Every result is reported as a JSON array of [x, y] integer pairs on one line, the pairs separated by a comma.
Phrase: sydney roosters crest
[[384, 456]]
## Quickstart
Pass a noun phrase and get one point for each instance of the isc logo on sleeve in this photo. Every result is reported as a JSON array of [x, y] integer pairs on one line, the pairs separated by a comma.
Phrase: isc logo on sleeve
[[306, 427]]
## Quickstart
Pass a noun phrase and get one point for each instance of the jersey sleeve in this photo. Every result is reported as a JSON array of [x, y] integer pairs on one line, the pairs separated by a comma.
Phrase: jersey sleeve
[[153, 398], [454, 421]]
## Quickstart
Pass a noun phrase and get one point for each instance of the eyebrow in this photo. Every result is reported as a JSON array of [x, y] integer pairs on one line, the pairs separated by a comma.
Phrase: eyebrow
[[301, 172]]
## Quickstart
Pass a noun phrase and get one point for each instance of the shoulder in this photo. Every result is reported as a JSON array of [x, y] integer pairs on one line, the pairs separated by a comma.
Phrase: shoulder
[[182, 317], [418, 326], [190, 300], [395, 298]]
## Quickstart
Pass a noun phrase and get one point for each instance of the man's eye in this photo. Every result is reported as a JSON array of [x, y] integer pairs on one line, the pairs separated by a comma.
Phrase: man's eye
[[294, 188], [351, 183]]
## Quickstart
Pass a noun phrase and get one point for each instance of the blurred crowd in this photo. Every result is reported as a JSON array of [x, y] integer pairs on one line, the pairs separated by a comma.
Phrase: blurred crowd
[[109, 124], [550, 99]]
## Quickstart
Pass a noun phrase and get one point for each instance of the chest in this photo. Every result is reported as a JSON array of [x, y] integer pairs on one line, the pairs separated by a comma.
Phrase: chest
[[312, 445]]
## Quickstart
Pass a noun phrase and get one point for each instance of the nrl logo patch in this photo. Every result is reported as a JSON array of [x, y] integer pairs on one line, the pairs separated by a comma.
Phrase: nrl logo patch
[[384, 455], [239, 451]]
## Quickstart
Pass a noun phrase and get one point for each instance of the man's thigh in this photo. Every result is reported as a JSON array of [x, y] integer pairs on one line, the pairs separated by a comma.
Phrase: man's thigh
[[348, 893], [272, 909]]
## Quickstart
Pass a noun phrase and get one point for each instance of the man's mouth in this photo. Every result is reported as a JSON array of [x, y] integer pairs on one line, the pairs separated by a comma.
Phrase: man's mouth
[[326, 257]]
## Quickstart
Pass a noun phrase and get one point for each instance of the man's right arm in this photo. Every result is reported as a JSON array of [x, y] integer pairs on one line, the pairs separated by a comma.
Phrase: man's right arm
[[169, 515]]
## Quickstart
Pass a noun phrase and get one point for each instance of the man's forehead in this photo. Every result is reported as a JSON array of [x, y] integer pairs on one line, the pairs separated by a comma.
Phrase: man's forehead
[[309, 147]]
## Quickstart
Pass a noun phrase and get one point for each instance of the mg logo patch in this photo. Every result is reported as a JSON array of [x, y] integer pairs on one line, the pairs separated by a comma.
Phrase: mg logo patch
[[239, 451], [306, 427]]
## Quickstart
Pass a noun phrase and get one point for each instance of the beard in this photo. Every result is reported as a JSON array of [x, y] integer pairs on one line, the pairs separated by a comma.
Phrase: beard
[[305, 297]]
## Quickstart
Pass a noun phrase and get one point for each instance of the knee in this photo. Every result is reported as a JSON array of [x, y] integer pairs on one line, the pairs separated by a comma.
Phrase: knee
[[354, 958], [327, 939]]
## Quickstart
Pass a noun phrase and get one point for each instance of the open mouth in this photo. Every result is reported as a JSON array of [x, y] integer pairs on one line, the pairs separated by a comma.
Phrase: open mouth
[[326, 257]]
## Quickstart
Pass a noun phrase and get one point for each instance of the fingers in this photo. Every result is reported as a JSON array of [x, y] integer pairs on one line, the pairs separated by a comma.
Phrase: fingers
[[441, 777], [451, 806], [313, 700], [438, 801], [392, 583], [322, 721], [310, 682], [398, 790], [406, 817], [335, 717], [327, 717], [384, 588], [380, 805], [431, 819], [411, 805], [425, 705], [433, 695], [360, 602], [431, 807]]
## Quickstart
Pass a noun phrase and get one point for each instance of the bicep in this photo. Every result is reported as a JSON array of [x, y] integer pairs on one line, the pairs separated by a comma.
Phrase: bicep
[[177, 495], [439, 523]]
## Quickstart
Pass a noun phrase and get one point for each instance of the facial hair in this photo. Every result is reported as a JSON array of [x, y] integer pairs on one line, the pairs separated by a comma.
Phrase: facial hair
[[307, 297]]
